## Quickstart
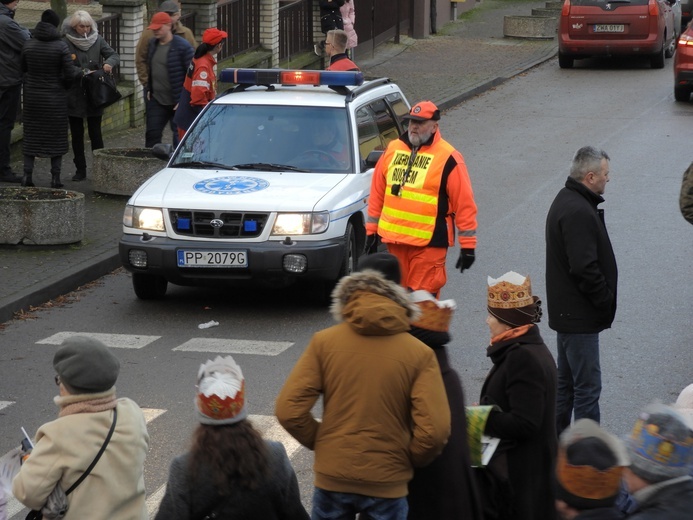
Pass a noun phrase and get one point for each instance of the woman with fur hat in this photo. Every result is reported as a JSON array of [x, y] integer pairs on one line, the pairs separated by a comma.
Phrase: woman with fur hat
[[66, 447], [200, 85], [522, 384], [89, 51], [230, 470], [48, 69]]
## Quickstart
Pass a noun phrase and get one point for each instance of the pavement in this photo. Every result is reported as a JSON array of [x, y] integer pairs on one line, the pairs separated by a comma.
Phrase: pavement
[[465, 58]]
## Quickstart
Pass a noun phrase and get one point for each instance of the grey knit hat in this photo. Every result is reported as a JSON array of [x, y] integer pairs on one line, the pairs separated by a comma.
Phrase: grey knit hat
[[169, 6], [660, 446], [85, 365]]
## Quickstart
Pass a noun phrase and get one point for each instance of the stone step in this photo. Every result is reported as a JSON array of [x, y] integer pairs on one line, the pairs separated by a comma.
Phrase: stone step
[[530, 27]]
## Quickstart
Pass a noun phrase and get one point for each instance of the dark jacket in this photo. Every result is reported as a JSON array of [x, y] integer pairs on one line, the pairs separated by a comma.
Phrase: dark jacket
[[581, 272], [277, 498], [48, 70], [522, 383], [445, 489], [12, 38], [94, 57], [179, 57], [671, 500], [603, 513]]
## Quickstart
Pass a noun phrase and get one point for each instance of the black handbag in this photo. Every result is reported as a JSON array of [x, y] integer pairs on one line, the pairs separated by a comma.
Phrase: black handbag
[[100, 88]]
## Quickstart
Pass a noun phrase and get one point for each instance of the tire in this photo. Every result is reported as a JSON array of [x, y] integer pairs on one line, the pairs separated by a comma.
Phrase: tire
[[323, 292], [657, 59], [671, 48], [148, 286], [565, 62], [682, 94]]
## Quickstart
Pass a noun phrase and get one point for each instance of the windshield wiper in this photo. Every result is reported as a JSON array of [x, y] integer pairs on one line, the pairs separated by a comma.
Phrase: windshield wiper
[[269, 167], [203, 164]]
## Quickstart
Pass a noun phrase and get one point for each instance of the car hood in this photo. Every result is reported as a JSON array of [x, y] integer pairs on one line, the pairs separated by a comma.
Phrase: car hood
[[238, 190]]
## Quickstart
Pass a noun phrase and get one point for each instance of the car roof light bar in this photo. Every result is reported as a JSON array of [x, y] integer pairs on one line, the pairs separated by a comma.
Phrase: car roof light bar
[[291, 77]]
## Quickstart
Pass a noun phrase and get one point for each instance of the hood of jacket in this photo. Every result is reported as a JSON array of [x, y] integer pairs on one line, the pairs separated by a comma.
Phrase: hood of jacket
[[6, 11], [46, 32], [372, 305]]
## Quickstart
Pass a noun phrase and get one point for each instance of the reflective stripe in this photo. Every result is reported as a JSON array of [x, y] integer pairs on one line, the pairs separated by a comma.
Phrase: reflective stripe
[[405, 230], [467, 232], [372, 220], [408, 215], [200, 83], [419, 197]]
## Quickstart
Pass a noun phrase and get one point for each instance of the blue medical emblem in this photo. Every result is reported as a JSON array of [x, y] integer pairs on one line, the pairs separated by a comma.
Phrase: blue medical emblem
[[231, 185]]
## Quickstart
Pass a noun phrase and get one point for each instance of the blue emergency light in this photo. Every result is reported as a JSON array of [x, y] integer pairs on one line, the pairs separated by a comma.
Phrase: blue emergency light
[[291, 77]]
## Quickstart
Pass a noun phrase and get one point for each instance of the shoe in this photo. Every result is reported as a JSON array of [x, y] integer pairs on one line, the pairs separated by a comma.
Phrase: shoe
[[12, 177], [27, 180], [79, 177], [55, 180]]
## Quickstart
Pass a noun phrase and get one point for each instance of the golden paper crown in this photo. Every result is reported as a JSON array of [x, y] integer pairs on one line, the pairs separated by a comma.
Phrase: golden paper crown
[[221, 408], [435, 314], [587, 481], [510, 291]]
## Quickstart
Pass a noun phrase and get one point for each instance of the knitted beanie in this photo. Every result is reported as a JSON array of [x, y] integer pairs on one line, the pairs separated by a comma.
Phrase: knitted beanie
[[384, 263], [51, 17]]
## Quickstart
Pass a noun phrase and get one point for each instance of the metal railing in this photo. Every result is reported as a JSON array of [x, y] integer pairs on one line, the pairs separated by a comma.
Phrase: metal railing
[[241, 19], [109, 28], [295, 27], [188, 19]]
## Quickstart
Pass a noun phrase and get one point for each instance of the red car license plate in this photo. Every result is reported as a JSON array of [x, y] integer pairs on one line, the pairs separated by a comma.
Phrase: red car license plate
[[609, 28]]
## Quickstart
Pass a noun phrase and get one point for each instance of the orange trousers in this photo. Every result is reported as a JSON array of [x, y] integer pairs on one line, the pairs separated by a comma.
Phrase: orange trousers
[[423, 268]]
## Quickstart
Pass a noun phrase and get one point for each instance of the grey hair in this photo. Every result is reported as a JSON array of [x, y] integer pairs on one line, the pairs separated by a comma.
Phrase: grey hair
[[587, 159], [81, 18]]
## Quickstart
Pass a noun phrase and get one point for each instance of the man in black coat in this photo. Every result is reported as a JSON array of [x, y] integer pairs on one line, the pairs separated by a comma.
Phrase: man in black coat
[[12, 38], [581, 279]]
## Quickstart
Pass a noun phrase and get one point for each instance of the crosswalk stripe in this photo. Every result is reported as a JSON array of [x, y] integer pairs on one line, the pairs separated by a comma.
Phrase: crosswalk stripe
[[5, 404], [110, 340], [235, 346], [266, 424]]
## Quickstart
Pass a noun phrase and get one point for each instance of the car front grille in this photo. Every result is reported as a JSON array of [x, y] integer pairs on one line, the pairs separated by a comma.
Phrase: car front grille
[[218, 224]]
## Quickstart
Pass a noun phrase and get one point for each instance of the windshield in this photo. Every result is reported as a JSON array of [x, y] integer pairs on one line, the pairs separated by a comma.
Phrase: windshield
[[269, 138]]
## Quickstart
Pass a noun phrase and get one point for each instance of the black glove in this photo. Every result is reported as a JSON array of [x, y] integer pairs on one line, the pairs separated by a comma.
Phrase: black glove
[[371, 244], [465, 260]]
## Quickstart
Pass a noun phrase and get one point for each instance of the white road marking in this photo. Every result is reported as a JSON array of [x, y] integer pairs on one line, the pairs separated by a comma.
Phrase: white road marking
[[110, 340], [235, 346], [5, 404]]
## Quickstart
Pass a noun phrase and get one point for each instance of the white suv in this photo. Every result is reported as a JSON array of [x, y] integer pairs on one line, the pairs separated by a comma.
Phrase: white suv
[[270, 183]]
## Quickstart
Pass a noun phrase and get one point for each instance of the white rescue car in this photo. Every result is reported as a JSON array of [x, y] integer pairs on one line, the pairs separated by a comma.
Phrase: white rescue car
[[270, 183]]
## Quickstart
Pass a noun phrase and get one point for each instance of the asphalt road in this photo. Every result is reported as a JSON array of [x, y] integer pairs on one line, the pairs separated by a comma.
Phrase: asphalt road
[[517, 140]]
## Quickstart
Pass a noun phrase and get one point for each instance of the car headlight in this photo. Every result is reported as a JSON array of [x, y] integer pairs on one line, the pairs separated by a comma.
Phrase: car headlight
[[151, 219], [301, 223]]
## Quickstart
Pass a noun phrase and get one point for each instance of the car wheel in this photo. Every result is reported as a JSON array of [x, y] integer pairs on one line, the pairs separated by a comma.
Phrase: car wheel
[[657, 59], [323, 294], [565, 62], [682, 93], [149, 286]]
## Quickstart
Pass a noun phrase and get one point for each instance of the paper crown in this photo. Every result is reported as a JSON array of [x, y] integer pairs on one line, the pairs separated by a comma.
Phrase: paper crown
[[510, 291], [435, 314], [221, 392], [592, 476]]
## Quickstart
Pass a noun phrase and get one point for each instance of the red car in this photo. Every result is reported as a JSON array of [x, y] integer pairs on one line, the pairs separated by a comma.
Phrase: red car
[[590, 28], [683, 66]]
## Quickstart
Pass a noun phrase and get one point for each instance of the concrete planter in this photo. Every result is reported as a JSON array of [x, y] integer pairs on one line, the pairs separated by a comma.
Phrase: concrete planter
[[41, 216], [120, 171], [530, 27]]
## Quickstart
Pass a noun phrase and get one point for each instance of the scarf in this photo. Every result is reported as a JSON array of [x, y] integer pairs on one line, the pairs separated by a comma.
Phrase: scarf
[[86, 403], [83, 43], [513, 333]]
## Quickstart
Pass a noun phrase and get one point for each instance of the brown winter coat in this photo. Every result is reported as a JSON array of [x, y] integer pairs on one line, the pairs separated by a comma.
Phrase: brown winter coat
[[384, 403], [686, 198]]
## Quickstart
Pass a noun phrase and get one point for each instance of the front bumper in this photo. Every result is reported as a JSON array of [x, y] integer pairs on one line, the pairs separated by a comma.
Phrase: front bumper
[[265, 259]]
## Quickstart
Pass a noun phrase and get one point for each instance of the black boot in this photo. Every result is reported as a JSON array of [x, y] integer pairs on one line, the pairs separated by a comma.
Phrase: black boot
[[27, 180], [55, 180], [55, 172], [79, 176]]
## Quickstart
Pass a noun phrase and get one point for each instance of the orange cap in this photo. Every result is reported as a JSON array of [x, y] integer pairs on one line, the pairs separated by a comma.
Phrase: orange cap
[[158, 20], [423, 111]]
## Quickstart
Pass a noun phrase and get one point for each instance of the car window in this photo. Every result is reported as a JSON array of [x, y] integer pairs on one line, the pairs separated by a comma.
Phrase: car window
[[314, 139], [377, 125]]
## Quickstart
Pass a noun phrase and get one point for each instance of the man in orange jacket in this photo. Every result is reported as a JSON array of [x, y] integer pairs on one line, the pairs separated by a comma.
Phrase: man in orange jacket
[[335, 46], [419, 193]]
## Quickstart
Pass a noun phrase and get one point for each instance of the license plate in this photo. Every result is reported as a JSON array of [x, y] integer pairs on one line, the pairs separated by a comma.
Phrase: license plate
[[201, 258], [609, 28]]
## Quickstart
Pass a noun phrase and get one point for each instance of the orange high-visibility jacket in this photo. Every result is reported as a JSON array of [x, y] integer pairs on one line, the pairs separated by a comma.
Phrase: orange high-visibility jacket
[[436, 192]]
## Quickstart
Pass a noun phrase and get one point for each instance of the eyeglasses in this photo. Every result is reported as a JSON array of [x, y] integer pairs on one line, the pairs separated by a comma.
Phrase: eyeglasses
[[329, 43], [57, 379], [84, 26]]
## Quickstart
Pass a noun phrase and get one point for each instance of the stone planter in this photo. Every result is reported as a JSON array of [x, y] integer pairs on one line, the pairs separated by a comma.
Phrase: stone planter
[[120, 171], [41, 216]]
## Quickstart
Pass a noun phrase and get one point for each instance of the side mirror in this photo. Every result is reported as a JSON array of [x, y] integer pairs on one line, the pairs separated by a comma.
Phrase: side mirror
[[373, 158], [162, 151]]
